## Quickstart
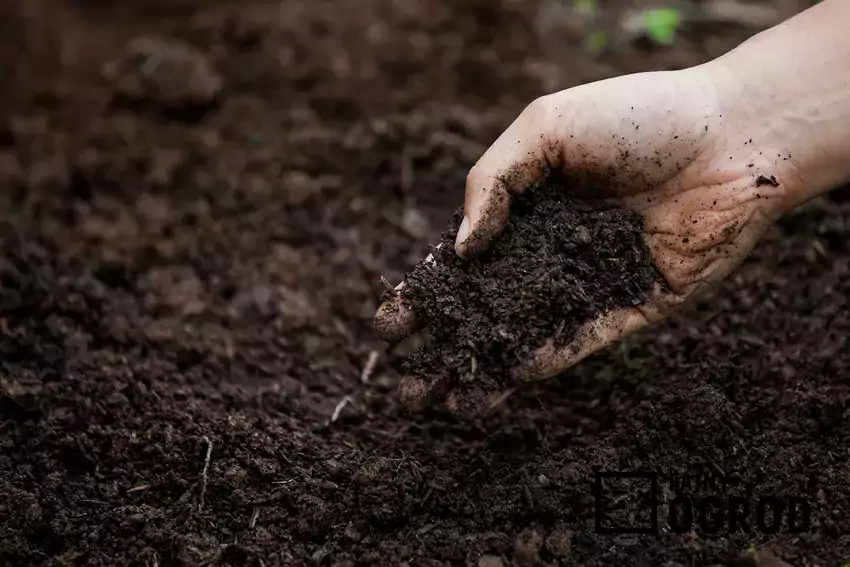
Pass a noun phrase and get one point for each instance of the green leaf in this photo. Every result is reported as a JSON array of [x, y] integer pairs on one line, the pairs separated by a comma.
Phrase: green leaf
[[595, 41], [585, 7], [661, 23]]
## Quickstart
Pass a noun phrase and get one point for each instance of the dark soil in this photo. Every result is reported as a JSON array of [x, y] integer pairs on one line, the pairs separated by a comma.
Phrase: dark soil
[[188, 278], [558, 264]]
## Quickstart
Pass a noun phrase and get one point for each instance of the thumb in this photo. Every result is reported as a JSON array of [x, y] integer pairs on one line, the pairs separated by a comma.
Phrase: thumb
[[518, 158]]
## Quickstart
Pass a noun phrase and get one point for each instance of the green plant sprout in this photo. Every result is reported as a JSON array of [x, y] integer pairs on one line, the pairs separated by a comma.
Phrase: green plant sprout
[[595, 41], [585, 7], [752, 549], [660, 24]]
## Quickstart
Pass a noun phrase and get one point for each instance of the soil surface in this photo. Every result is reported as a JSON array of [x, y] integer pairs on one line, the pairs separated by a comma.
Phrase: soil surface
[[198, 200], [558, 264]]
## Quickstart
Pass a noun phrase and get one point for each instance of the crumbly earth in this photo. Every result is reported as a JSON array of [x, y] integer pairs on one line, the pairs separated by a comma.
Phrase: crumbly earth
[[558, 264], [183, 280]]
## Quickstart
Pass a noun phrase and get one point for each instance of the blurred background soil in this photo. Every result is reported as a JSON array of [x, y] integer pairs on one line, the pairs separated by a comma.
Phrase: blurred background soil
[[198, 200]]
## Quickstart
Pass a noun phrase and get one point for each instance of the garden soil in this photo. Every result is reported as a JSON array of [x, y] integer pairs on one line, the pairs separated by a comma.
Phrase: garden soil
[[559, 263], [198, 202]]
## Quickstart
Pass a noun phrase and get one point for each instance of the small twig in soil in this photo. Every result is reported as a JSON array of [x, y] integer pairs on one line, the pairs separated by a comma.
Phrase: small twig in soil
[[714, 468], [229, 350], [406, 173], [253, 521], [204, 471], [369, 367], [321, 483], [501, 399], [386, 283], [139, 488], [339, 407], [427, 497]]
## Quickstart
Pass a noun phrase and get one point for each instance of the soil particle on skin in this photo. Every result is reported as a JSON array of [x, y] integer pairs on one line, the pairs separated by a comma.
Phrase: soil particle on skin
[[767, 180], [558, 264]]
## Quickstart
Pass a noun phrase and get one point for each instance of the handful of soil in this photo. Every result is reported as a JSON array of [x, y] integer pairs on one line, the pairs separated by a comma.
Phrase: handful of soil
[[559, 263]]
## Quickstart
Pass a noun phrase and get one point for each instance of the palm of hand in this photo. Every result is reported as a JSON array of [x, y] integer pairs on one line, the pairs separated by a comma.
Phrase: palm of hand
[[658, 143]]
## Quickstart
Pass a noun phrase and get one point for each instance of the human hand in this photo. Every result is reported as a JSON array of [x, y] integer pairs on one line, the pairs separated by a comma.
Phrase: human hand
[[669, 145]]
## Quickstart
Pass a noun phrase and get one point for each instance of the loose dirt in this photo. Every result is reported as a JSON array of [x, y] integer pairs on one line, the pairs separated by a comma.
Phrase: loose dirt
[[558, 264], [193, 273]]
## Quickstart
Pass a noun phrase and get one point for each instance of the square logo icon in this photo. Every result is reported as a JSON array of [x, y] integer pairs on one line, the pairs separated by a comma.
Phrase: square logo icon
[[626, 502]]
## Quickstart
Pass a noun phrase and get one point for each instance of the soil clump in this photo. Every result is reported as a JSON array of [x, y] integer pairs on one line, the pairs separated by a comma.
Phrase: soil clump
[[558, 264]]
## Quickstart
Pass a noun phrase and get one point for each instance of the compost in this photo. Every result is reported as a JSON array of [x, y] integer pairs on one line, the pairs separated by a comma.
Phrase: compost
[[198, 202], [558, 264]]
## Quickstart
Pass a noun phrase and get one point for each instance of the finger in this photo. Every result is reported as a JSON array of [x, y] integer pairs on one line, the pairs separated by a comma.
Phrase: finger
[[395, 320], [592, 337], [418, 393], [518, 158]]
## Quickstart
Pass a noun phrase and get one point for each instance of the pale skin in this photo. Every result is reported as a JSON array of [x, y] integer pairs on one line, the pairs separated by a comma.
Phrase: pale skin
[[711, 156]]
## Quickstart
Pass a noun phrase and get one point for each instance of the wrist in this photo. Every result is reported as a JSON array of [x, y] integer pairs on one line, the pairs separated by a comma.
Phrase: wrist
[[790, 110]]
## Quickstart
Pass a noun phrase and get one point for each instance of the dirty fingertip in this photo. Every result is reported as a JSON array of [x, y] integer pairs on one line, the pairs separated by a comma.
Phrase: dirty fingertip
[[549, 360], [394, 320], [480, 237], [413, 393], [590, 338], [483, 226], [462, 235]]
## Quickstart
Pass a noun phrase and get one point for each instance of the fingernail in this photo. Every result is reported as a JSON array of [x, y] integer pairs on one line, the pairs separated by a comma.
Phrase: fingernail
[[462, 232]]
